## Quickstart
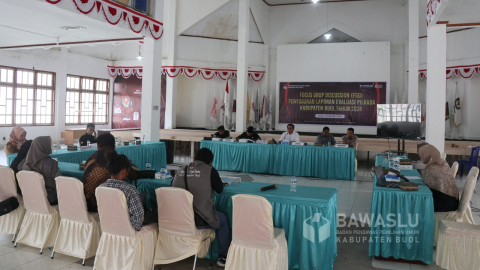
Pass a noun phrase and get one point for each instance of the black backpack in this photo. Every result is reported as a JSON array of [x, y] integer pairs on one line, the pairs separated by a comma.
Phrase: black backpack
[[8, 205]]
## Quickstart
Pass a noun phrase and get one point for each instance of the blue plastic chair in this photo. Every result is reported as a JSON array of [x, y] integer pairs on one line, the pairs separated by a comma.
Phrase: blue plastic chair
[[469, 163]]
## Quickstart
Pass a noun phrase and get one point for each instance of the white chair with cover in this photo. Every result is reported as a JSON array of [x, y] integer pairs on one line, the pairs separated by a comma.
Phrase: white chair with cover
[[454, 168], [464, 212], [121, 247], [256, 244], [40, 224], [458, 246], [444, 156], [178, 237], [10, 223], [79, 231]]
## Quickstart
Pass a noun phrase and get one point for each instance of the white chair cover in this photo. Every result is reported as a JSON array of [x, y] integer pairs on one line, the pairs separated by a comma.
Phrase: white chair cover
[[444, 156], [464, 212], [79, 231], [458, 246], [256, 244], [121, 246], [455, 168], [40, 224], [178, 237], [10, 223]]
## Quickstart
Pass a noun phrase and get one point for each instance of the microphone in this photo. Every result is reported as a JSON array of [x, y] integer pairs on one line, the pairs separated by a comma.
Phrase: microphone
[[269, 187]]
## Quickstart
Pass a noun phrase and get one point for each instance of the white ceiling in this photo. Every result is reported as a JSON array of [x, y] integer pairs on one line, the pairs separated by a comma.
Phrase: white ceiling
[[283, 2], [27, 22], [461, 12]]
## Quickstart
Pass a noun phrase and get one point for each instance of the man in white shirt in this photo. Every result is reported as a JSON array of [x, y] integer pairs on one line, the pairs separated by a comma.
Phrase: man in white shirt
[[290, 135]]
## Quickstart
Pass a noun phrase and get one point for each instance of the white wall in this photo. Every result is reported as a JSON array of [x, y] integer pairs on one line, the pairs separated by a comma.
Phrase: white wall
[[62, 63], [340, 62]]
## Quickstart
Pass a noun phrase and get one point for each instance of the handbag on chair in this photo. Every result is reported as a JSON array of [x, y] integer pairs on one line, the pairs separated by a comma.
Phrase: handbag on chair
[[8, 205]]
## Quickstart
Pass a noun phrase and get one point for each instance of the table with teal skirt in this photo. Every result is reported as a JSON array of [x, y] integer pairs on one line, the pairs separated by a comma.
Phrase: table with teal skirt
[[70, 170], [310, 161], [308, 216], [402, 221], [153, 152]]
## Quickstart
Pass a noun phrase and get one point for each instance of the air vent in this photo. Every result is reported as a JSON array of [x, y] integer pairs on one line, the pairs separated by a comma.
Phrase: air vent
[[73, 28]]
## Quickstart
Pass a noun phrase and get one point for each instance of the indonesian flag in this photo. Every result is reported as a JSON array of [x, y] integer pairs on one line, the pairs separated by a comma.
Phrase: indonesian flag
[[257, 109], [228, 113], [264, 113], [252, 111], [213, 113], [456, 108], [234, 108]]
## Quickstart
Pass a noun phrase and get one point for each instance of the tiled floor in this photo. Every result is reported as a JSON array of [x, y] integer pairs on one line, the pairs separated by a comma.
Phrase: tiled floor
[[353, 197]]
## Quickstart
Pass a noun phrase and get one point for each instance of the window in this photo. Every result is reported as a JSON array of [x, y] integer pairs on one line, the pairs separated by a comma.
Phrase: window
[[27, 97], [87, 100]]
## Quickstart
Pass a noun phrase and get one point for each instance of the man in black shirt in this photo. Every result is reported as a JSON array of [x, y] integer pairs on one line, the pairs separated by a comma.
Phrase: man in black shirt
[[222, 133], [250, 134], [88, 136]]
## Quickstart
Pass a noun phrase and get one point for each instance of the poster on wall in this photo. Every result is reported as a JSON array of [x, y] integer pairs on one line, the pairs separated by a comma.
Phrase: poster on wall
[[127, 103], [332, 103]]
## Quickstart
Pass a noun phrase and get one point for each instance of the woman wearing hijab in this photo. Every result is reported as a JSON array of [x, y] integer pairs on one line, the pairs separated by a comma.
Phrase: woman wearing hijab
[[17, 138], [440, 179], [38, 160], [19, 158]]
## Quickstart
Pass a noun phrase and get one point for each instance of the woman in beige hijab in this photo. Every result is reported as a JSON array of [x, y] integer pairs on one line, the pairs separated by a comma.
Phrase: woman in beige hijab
[[38, 160], [17, 138], [440, 179]]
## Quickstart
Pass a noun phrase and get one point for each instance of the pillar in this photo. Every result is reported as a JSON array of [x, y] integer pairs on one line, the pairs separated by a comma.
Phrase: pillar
[[242, 65], [413, 50], [170, 15]]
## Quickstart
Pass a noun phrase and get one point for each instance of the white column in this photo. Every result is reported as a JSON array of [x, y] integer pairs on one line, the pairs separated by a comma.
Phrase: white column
[[242, 64], [413, 48], [436, 85], [61, 94], [170, 35]]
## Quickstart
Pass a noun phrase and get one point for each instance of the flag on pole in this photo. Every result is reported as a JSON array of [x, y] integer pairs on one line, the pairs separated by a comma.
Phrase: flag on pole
[[457, 109], [270, 112], [213, 112], [234, 108], [257, 110], [248, 107], [447, 118], [252, 111], [228, 113], [264, 113]]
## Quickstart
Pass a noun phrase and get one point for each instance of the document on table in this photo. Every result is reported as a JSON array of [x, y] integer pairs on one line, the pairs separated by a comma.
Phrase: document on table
[[413, 177]]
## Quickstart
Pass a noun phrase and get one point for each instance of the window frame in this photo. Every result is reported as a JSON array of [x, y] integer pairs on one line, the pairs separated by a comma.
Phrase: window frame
[[94, 92], [15, 85]]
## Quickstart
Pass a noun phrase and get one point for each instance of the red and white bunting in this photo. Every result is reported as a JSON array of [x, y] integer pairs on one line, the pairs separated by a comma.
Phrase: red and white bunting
[[465, 72], [115, 14], [190, 72]]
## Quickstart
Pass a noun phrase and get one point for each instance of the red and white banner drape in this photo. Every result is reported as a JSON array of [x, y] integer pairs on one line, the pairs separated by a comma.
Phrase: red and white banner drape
[[190, 72], [116, 14], [465, 71]]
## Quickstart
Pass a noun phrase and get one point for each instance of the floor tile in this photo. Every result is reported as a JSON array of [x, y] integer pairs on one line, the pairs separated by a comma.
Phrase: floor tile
[[17, 258], [44, 263], [390, 265]]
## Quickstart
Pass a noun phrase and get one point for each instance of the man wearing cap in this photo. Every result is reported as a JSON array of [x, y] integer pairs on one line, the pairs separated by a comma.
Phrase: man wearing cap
[[250, 134], [89, 135]]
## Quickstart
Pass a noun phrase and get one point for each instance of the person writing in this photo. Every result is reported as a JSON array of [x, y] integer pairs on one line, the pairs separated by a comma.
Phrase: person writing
[[440, 179], [17, 138], [350, 138], [202, 185], [290, 135], [38, 160], [119, 167], [326, 137], [88, 136], [250, 134], [222, 133]]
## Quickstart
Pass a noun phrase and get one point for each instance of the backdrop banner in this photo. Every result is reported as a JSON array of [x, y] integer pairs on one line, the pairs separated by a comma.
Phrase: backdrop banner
[[333, 103]]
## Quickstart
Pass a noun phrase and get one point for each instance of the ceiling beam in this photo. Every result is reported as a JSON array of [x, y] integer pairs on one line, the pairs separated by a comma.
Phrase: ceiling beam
[[62, 44]]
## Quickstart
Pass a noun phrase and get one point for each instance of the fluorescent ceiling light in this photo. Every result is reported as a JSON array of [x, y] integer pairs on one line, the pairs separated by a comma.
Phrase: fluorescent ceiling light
[[139, 57], [327, 36], [315, 1]]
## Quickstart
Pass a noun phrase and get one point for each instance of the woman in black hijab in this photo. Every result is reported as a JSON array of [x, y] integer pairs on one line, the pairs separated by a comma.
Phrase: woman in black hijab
[[22, 154]]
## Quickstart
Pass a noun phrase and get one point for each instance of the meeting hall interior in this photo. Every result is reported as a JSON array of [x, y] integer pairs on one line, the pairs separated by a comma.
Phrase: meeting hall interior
[[239, 134]]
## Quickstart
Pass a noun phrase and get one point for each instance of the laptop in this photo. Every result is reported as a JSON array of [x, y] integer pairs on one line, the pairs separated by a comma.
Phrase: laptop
[[381, 181]]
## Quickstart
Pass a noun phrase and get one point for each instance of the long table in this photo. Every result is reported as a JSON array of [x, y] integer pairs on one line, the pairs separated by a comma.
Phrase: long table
[[408, 221], [310, 161], [293, 212], [153, 152]]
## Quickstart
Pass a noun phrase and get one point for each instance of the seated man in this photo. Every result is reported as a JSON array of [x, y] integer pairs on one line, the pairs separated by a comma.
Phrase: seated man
[[350, 138], [88, 136], [202, 185], [290, 135], [222, 133], [250, 134], [326, 137], [118, 167]]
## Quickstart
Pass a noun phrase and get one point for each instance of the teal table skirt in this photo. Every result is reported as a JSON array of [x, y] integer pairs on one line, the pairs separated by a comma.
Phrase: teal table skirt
[[308, 246], [310, 161], [408, 223], [70, 170], [153, 152]]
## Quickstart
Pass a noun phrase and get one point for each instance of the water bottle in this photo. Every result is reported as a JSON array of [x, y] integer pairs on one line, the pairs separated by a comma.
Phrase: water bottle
[[143, 139], [54, 148], [116, 141], [396, 165], [329, 143], [88, 143], [293, 184], [148, 166], [163, 174]]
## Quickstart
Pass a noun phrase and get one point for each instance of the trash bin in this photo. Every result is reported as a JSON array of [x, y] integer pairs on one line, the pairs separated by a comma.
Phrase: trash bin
[[169, 147]]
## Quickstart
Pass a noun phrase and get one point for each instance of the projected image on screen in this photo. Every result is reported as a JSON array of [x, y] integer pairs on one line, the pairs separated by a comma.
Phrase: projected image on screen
[[331, 103], [402, 121]]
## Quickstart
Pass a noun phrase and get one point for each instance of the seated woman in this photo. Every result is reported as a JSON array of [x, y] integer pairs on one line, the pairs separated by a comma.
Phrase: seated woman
[[18, 159], [118, 167], [17, 138], [38, 160], [440, 179]]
